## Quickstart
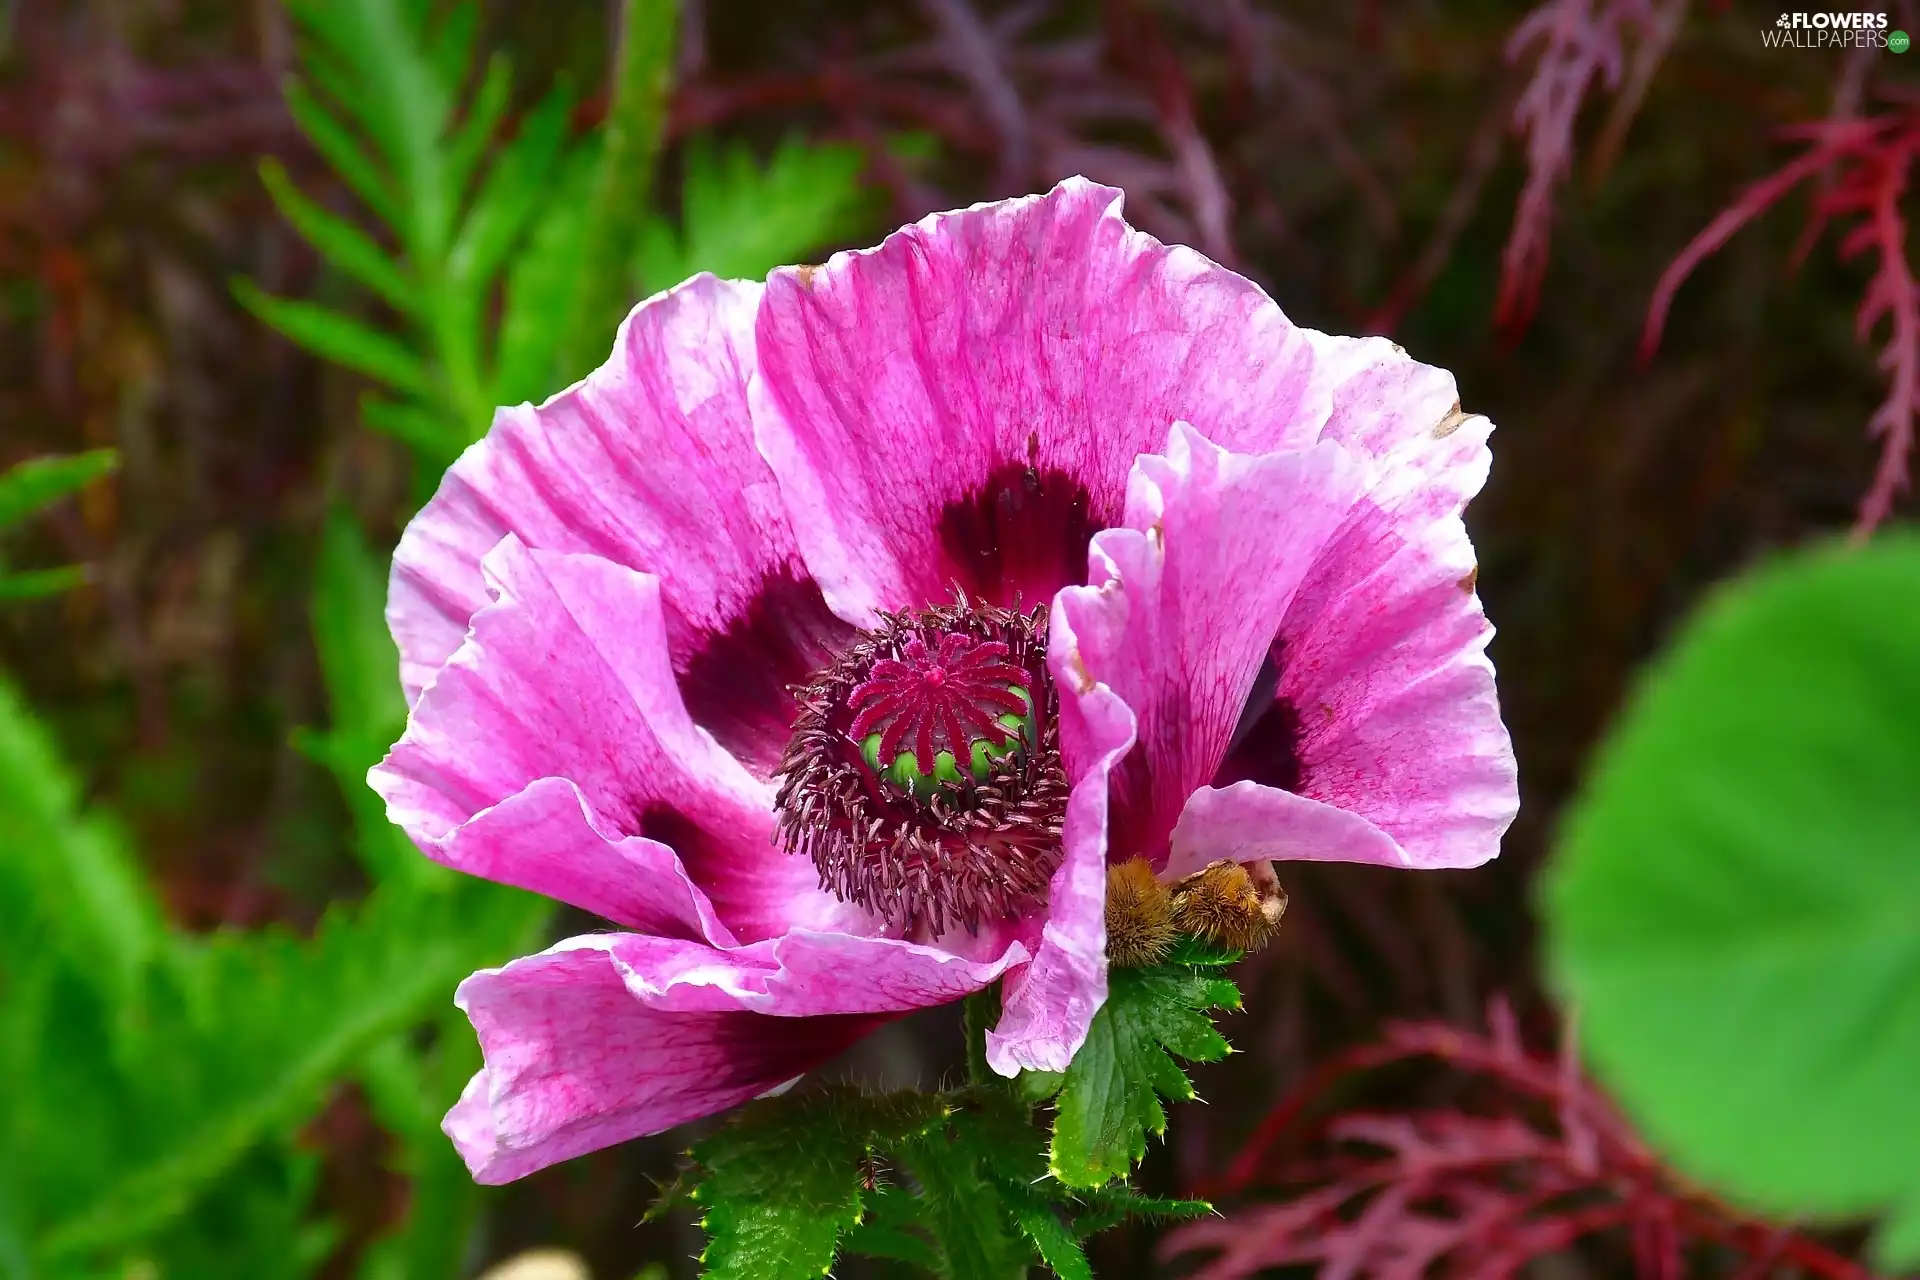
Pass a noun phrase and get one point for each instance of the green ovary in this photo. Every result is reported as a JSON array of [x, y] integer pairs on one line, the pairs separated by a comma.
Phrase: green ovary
[[905, 774]]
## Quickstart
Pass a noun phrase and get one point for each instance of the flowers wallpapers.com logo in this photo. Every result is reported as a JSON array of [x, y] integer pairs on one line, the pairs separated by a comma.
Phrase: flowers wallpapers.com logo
[[1833, 31]]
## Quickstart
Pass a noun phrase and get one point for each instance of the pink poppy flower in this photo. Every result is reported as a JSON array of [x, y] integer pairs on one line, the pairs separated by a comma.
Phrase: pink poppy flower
[[773, 642]]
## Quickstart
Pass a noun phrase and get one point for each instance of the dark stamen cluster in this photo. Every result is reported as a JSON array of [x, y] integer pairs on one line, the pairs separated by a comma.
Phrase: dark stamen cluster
[[971, 850]]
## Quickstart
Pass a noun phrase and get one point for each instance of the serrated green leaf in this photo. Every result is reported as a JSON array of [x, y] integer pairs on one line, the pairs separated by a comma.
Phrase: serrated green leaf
[[740, 219], [515, 188], [1110, 1101], [31, 486], [1058, 1246], [1097, 1208], [340, 338], [344, 245], [449, 49], [786, 1177], [408, 1089], [358, 658], [1035, 1087], [36, 584], [962, 1207], [1203, 954], [889, 1231], [994, 1130], [1735, 905], [255, 1027], [373, 58], [999, 1134], [518, 185]]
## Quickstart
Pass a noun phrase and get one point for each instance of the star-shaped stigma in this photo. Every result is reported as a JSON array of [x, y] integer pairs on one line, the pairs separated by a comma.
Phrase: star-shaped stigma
[[923, 777], [966, 699]]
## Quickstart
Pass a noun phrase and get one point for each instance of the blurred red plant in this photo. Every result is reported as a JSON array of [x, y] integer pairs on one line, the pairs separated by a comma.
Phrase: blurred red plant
[[1533, 1161], [1861, 167], [1583, 44]]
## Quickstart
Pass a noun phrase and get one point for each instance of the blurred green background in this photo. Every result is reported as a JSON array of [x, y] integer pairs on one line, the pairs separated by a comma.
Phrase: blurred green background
[[282, 257]]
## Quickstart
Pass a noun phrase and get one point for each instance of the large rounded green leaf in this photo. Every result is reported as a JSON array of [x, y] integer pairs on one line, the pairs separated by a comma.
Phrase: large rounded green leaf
[[1734, 913]]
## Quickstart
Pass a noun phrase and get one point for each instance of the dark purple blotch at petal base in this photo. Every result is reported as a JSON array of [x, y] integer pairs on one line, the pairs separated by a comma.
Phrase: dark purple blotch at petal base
[[1265, 747], [1020, 537], [738, 683]]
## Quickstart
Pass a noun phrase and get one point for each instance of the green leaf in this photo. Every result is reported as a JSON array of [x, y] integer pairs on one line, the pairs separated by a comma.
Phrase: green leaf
[[1201, 953], [38, 583], [31, 486], [890, 1231], [1110, 1101], [1735, 906], [429, 435], [963, 1208], [408, 1089], [343, 244], [339, 338], [336, 143], [616, 208], [540, 287], [67, 880], [372, 58], [993, 1131], [257, 1028], [450, 49], [740, 219], [361, 669], [470, 140], [358, 659], [1058, 1246], [787, 1176], [1097, 1208], [1038, 1086], [516, 187]]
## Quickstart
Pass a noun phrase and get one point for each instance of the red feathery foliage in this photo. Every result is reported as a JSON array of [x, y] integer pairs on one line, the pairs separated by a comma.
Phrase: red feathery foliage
[[1541, 1163], [998, 86], [1862, 166], [1583, 42]]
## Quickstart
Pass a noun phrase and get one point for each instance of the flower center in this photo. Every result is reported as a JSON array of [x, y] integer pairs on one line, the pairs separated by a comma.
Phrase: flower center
[[923, 776]]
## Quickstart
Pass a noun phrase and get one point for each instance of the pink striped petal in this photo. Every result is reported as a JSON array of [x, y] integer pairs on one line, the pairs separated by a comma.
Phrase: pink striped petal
[[1184, 602], [1385, 691], [962, 404], [1047, 1006], [1386, 404], [553, 752], [649, 463], [610, 1037]]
